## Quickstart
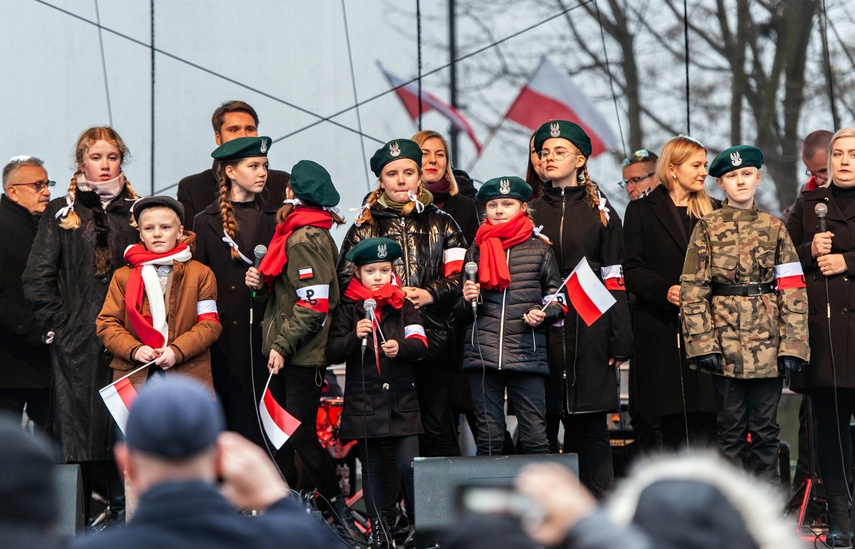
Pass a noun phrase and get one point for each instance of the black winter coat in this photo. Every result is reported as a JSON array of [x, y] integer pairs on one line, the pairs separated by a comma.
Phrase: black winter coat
[[503, 341], [384, 403], [464, 210], [66, 294], [195, 192], [426, 238], [24, 359], [230, 358], [581, 379], [802, 226], [655, 243]]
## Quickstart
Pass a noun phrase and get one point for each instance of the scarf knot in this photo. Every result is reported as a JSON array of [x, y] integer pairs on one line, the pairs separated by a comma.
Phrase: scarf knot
[[492, 241]]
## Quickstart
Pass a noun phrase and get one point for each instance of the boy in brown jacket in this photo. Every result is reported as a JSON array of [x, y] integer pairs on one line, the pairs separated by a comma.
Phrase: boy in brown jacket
[[162, 307]]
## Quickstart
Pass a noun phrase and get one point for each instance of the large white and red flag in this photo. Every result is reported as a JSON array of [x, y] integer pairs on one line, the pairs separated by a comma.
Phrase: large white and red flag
[[408, 93], [278, 424], [587, 293], [551, 94], [118, 396]]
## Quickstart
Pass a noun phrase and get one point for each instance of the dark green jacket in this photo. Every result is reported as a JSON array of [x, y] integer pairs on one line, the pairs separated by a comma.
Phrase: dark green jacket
[[296, 321]]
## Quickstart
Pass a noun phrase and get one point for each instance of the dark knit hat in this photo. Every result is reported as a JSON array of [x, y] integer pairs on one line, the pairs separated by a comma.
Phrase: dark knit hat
[[396, 150], [243, 147], [564, 129], [374, 250], [504, 187], [312, 183], [740, 156], [174, 418], [163, 201], [27, 489]]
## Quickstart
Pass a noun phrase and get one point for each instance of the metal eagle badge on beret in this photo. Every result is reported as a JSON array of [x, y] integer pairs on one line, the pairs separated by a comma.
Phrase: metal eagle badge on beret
[[735, 159], [504, 186], [555, 129], [381, 251], [263, 148], [394, 149]]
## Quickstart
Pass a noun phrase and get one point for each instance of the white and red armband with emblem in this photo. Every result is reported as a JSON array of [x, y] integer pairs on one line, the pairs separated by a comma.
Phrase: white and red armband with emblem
[[789, 275], [613, 277], [315, 298]]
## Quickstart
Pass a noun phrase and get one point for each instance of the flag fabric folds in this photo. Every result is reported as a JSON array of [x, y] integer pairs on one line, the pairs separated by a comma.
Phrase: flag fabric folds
[[551, 94], [278, 424], [118, 396], [588, 295], [408, 93]]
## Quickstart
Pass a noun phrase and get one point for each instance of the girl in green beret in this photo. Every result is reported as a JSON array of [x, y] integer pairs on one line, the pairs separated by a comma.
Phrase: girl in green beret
[[581, 223]]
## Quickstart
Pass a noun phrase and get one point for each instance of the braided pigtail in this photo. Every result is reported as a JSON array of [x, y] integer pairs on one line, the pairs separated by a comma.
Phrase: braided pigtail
[[227, 211], [366, 213], [593, 194], [130, 190], [71, 221]]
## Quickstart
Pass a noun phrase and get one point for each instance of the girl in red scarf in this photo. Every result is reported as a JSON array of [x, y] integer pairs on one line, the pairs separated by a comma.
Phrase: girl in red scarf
[[506, 345], [380, 405]]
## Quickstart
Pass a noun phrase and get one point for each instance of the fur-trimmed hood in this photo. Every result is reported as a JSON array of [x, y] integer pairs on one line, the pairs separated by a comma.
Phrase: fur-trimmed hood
[[697, 500]]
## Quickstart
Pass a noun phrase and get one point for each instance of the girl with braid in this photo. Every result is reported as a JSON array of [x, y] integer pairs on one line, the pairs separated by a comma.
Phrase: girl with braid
[[227, 232], [80, 243], [580, 222]]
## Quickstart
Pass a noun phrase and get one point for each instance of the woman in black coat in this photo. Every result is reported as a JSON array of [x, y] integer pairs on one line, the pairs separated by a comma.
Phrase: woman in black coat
[[828, 261], [663, 391], [242, 216]]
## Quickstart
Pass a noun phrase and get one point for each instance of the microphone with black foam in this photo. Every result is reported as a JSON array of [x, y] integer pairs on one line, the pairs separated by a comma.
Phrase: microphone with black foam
[[260, 251], [471, 270], [370, 305], [821, 211]]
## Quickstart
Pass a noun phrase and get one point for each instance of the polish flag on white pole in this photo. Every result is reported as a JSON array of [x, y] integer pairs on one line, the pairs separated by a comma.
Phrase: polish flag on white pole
[[408, 93], [551, 94], [119, 395], [587, 293], [278, 424]]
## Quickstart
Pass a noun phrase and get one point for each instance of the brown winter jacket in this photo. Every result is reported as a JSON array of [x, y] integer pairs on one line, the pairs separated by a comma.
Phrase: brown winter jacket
[[190, 283]]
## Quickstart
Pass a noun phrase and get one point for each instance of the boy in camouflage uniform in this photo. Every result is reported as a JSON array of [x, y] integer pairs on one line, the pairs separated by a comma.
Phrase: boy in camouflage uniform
[[744, 311]]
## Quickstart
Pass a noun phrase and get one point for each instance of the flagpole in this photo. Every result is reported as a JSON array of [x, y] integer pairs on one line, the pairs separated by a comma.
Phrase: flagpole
[[555, 295], [146, 365], [266, 386]]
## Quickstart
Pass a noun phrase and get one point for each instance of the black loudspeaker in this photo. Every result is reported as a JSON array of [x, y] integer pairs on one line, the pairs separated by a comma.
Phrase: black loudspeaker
[[69, 494], [436, 480]]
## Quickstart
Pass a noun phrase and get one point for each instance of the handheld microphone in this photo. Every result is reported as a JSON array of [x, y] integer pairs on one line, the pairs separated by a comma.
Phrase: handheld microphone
[[821, 211], [260, 251], [471, 270], [369, 306]]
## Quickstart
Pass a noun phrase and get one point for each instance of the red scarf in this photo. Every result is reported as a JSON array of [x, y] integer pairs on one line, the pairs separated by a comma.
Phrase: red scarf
[[274, 262], [388, 294], [493, 240], [142, 324]]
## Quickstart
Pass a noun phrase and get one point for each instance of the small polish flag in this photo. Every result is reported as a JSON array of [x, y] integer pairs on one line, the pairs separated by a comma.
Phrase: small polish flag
[[118, 396], [587, 294], [306, 273], [551, 94], [278, 424]]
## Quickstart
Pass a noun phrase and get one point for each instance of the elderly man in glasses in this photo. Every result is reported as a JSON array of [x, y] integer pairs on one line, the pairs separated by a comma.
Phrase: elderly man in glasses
[[25, 376], [639, 173]]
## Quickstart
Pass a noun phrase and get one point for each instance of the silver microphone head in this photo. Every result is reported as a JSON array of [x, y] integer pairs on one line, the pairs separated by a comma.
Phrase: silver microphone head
[[370, 305], [471, 269], [821, 210], [260, 251]]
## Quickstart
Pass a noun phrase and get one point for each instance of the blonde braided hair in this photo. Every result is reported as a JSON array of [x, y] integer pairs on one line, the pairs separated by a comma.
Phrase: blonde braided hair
[[593, 194], [227, 210]]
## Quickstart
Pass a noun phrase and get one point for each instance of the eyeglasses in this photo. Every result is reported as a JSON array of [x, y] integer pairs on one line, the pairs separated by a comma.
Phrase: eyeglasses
[[557, 154], [38, 186], [634, 180], [821, 174], [638, 156]]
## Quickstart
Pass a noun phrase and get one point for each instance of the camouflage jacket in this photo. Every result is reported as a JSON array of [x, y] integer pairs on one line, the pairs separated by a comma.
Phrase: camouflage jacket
[[735, 246]]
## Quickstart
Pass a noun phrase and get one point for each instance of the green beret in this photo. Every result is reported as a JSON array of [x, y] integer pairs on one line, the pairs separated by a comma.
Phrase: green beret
[[564, 129], [396, 150], [504, 187], [161, 201], [242, 147], [740, 156], [374, 250], [312, 183]]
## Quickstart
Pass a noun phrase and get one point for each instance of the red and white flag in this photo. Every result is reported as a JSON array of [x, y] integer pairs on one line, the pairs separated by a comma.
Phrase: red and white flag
[[118, 396], [551, 94], [278, 424], [587, 294], [408, 93]]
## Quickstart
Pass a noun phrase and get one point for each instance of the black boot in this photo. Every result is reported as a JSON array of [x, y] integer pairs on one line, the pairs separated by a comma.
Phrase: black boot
[[839, 527], [381, 537], [343, 518]]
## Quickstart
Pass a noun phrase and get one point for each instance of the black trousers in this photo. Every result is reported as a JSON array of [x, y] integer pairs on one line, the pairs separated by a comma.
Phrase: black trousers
[[371, 454], [434, 380], [833, 440], [749, 406], [526, 392], [298, 390], [587, 435]]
